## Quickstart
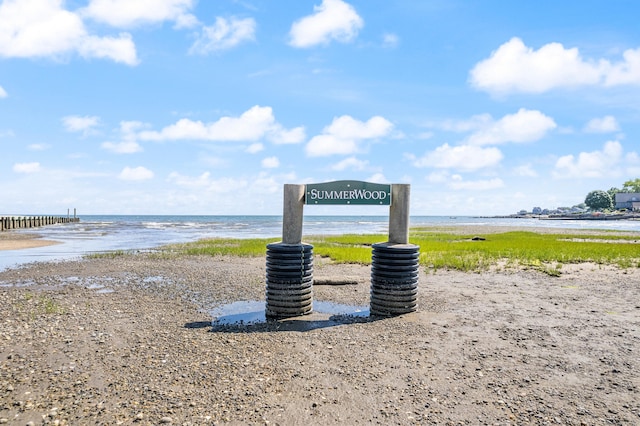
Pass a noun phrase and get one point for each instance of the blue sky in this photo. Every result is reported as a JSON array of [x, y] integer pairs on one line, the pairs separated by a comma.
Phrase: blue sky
[[209, 107]]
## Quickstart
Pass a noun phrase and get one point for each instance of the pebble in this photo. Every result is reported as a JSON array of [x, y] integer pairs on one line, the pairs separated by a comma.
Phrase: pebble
[[161, 363]]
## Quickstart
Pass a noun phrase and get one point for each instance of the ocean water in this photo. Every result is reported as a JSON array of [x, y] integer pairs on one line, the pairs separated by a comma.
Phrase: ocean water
[[108, 233]]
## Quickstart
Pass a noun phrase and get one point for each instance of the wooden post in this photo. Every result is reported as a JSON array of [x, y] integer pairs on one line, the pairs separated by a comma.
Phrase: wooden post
[[399, 214], [292, 214]]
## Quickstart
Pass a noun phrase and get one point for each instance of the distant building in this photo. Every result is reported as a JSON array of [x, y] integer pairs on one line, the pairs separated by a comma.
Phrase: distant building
[[628, 200]]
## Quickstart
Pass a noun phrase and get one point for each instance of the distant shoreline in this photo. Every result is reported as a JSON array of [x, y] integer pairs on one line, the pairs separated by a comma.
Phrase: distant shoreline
[[582, 216]]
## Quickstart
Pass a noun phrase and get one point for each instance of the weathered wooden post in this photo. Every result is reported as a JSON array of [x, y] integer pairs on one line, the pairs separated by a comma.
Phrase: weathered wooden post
[[290, 263]]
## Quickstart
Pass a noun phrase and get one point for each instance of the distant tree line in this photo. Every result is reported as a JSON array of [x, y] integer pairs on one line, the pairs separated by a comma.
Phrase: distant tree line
[[605, 200]]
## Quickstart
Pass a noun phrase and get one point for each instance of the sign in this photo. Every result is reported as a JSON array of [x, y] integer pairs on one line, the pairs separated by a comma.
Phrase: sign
[[348, 192]]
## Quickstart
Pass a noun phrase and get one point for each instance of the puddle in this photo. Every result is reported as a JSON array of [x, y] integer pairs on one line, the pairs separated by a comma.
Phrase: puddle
[[249, 312]]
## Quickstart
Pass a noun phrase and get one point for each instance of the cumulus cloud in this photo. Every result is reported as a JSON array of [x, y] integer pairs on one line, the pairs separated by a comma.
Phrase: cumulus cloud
[[332, 20], [625, 72], [33, 167], [593, 164], [516, 68], [254, 148], [135, 173], [3, 93], [224, 34], [76, 123], [254, 124], [377, 178], [344, 134], [124, 147], [270, 163], [43, 28], [463, 157], [351, 163], [606, 124], [128, 143], [523, 126], [130, 13]]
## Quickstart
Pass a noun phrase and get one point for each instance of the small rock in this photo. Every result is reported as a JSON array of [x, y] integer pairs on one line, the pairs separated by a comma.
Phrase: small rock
[[166, 420]]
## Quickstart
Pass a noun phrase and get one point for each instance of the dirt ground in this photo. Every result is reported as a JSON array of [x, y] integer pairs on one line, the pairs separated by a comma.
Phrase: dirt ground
[[129, 340]]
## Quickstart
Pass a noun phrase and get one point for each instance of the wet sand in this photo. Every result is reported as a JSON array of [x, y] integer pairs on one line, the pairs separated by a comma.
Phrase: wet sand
[[17, 241], [129, 340]]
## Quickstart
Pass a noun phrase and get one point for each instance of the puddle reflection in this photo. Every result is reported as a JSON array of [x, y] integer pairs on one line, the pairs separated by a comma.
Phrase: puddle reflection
[[249, 316]]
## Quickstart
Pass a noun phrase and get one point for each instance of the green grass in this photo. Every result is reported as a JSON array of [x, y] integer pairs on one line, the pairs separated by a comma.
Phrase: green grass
[[443, 250], [222, 246]]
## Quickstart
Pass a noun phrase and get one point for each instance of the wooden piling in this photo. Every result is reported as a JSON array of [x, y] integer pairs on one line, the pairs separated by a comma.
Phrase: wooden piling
[[25, 222]]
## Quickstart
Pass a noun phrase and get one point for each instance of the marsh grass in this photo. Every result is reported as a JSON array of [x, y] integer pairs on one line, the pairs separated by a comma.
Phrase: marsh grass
[[444, 250]]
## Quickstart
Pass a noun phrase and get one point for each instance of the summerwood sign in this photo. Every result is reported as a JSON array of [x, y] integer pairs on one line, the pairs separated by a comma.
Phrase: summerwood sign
[[345, 192]]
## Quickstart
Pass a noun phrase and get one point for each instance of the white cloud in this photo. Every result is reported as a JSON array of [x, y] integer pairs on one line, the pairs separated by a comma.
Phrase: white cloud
[[390, 40], [593, 164], [125, 147], [270, 163], [463, 157], [525, 170], [3, 93], [224, 34], [38, 147], [119, 49], [625, 72], [606, 124], [128, 135], [135, 173], [332, 20], [343, 135], [351, 163], [42, 28], [254, 148], [207, 183], [76, 123], [129, 13], [254, 124], [523, 126], [282, 136], [377, 178], [198, 182], [27, 167], [514, 67], [457, 183]]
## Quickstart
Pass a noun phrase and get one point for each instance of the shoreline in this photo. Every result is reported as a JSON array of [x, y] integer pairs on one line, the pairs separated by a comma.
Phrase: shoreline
[[20, 241]]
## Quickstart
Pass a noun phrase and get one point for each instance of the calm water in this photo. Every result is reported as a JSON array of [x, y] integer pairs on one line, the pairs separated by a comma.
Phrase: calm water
[[105, 233]]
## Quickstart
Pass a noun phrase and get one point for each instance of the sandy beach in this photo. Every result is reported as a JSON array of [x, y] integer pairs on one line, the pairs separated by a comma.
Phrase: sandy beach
[[129, 340], [20, 241]]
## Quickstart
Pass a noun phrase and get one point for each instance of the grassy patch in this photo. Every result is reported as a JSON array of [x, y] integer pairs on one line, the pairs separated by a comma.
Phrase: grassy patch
[[222, 246], [36, 304], [443, 250]]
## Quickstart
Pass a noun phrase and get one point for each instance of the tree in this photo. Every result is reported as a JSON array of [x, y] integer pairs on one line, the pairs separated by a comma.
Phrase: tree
[[598, 200], [613, 191], [631, 186]]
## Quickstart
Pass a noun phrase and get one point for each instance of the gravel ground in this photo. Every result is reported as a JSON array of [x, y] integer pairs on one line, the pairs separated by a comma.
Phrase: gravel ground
[[129, 340]]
